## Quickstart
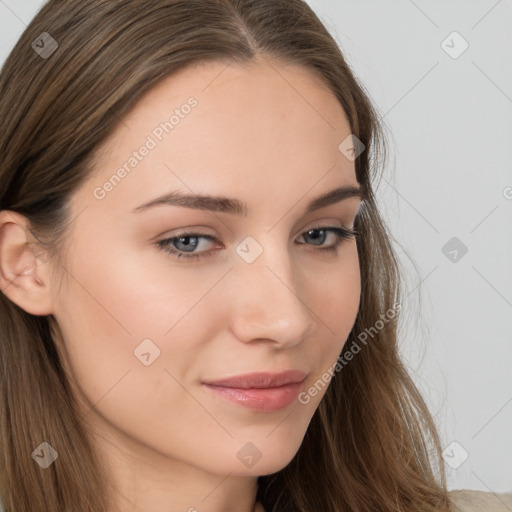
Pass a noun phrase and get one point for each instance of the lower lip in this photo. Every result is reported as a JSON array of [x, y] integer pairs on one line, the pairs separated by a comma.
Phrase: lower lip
[[264, 400]]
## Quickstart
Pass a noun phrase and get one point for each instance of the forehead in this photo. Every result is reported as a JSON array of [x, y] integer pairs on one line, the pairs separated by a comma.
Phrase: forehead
[[219, 127]]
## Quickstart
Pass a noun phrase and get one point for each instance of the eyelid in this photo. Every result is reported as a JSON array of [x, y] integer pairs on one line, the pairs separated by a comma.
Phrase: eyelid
[[341, 233], [200, 230]]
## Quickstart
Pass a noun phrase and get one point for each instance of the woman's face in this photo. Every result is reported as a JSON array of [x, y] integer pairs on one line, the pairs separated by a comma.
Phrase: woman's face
[[144, 329]]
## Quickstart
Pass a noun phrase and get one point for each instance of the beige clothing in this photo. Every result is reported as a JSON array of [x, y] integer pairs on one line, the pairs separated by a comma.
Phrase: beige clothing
[[465, 500]]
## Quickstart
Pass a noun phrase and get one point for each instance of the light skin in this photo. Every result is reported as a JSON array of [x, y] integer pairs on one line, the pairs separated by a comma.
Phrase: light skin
[[167, 442]]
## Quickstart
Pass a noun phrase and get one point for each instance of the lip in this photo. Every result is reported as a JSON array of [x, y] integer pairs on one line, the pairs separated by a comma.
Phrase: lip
[[262, 380], [265, 392]]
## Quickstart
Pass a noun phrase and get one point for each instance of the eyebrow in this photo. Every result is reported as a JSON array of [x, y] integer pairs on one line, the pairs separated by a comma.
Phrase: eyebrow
[[237, 207]]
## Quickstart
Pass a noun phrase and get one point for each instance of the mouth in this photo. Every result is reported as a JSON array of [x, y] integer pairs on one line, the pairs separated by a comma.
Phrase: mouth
[[264, 392]]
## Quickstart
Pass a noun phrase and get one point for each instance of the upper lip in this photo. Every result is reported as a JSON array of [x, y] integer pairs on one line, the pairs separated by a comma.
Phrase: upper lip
[[261, 380]]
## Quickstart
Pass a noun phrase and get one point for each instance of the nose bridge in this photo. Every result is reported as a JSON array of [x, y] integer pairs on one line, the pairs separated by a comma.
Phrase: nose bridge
[[267, 301]]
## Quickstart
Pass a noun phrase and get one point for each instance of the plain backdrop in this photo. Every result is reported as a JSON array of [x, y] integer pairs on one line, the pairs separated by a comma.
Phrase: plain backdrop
[[440, 76]]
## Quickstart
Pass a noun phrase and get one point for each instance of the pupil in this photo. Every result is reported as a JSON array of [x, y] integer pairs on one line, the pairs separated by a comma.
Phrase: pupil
[[316, 234], [185, 240]]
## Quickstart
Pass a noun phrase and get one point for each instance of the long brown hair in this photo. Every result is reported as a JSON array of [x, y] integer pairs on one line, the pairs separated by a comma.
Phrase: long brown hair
[[371, 444]]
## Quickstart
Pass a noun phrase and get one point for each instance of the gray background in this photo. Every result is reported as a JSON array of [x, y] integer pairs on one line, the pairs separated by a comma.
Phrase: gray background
[[448, 121]]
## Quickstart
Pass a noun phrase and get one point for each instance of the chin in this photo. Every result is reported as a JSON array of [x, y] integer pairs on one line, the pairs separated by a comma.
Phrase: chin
[[267, 456]]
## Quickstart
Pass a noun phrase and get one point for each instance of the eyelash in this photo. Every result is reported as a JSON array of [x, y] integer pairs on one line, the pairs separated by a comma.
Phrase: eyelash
[[341, 235]]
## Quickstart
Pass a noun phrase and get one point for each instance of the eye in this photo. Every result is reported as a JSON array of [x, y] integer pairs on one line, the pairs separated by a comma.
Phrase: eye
[[184, 245], [319, 234]]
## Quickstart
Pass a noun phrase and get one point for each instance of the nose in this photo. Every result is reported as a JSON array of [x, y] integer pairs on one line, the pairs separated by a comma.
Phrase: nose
[[266, 301]]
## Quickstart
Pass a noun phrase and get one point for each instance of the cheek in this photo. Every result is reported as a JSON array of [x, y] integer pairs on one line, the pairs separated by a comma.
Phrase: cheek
[[335, 300], [115, 307], [133, 293], [335, 290], [117, 313]]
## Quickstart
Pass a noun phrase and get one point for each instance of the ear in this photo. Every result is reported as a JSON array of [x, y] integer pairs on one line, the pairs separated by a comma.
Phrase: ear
[[24, 277]]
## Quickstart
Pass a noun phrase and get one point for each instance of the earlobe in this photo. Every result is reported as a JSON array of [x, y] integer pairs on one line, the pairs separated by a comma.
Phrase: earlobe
[[24, 277]]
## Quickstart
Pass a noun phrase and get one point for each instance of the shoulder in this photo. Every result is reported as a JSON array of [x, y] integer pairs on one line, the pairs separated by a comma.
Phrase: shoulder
[[465, 500]]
